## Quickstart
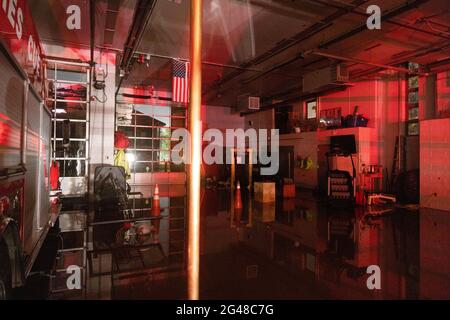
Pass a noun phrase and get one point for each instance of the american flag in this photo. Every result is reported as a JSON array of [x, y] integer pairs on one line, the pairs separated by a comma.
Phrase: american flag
[[180, 81]]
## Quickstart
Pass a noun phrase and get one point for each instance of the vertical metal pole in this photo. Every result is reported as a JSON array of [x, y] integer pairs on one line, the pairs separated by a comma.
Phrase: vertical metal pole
[[196, 149], [233, 171], [250, 169]]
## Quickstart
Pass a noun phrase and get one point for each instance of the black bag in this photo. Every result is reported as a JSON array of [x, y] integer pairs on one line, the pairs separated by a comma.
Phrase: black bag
[[110, 186], [351, 121]]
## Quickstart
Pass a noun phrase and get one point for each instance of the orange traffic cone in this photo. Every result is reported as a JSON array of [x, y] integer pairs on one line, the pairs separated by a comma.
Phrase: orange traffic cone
[[156, 208], [237, 197]]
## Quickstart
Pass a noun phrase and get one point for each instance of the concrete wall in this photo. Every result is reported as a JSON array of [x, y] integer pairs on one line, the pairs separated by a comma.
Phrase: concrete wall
[[221, 118], [434, 143], [261, 120], [305, 145], [443, 94], [102, 119], [102, 115], [362, 94], [435, 164], [381, 101]]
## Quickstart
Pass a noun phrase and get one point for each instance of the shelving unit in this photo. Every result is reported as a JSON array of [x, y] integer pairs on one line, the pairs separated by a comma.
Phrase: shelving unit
[[341, 184]]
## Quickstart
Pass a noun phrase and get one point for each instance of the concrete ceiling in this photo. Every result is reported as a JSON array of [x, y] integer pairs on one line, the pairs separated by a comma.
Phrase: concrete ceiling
[[265, 43], [237, 32], [112, 22]]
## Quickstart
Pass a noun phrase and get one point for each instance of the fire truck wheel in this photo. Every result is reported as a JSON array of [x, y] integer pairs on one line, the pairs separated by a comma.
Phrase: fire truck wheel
[[5, 272]]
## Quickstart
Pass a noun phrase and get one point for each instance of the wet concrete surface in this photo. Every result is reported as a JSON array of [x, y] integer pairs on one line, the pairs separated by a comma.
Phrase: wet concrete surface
[[293, 249]]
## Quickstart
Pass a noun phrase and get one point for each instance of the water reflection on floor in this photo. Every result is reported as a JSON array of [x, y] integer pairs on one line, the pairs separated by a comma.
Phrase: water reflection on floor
[[294, 249]]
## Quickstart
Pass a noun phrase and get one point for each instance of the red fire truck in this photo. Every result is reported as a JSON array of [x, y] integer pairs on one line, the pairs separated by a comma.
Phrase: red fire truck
[[25, 134]]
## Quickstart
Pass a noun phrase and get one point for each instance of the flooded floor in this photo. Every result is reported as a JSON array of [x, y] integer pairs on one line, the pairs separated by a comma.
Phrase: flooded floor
[[293, 249]]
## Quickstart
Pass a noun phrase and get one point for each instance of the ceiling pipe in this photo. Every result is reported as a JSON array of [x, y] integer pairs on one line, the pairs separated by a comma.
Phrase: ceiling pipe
[[207, 63], [341, 58], [341, 11], [391, 21], [439, 66], [386, 17], [310, 31], [406, 58], [142, 14], [288, 43], [292, 99], [92, 31], [359, 61], [144, 10], [276, 67]]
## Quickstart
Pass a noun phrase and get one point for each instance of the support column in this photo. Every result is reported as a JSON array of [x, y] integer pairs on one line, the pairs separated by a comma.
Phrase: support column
[[196, 150], [430, 97]]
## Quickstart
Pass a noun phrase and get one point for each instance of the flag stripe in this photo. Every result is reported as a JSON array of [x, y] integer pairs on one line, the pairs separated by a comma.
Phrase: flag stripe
[[180, 81]]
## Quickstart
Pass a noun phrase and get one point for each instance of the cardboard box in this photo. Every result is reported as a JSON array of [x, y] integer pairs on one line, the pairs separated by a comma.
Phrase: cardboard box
[[265, 192]]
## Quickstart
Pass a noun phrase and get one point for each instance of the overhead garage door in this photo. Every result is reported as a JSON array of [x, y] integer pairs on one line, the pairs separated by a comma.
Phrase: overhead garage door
[[36, 178], [11, 104]]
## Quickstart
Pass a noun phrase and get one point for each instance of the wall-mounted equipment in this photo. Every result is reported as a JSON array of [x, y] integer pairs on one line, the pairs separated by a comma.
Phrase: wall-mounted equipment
[[143, 58], [99, 78]]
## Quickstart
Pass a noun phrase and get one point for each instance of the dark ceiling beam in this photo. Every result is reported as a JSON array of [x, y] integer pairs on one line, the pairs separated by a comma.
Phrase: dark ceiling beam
[[288, 43], [92, 30], [359, 61], [385, 17], [442, 65], [274, 68], [389, 15], [308, 32], [389, 21], [285, 8], [289, 99], [142, 14], [282, 94], [439, 66], [405, 58], [206, 63]]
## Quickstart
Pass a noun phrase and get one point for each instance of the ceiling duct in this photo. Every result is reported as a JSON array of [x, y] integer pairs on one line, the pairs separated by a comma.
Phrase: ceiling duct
[[336, 74]]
